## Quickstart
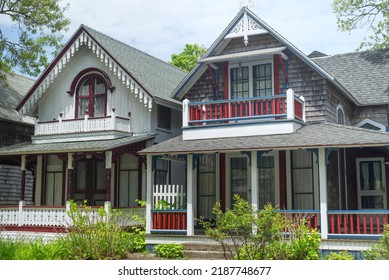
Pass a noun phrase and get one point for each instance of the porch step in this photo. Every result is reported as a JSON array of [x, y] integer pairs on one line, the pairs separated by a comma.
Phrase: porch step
[[201, 251]]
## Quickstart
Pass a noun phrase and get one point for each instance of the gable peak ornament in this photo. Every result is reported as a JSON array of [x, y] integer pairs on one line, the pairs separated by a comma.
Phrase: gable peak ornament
[[246, 3]]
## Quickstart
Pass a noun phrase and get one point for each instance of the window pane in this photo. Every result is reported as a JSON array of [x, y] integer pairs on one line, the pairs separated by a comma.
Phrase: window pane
[[370, 175], [83, 104], [99, 106], [100, 176], [239, 177], [164, 117], [372, 202], [81, 175], [266, 181], [262, 80], [84, 89], [99, 86], [239, 82]]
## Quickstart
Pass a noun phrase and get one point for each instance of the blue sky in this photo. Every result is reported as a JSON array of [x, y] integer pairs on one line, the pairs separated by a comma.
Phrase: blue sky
[[161, 28]]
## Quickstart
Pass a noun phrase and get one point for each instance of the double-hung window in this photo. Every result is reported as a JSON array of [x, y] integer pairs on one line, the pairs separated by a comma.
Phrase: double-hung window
[[251, 80]]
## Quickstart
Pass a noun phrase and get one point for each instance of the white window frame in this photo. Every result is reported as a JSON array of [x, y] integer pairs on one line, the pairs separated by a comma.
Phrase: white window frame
[[250, 65], [340, 108]]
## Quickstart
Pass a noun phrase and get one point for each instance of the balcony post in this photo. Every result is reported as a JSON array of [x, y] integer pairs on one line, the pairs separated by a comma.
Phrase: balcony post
[[185, 113], [113, 119], [290, 104], [323, 193], [60, 123], [303, 100], [86, 122]]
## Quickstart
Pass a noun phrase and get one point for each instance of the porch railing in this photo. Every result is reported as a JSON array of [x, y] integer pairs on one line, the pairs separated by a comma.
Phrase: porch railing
[[86, 124], [357, 222], [345, 223], [312, 217], [168, 213], [280, 106], [36, 216], [169, 220]]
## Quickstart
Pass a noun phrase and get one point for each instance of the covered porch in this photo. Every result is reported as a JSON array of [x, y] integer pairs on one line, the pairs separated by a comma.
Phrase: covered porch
[[332, 175], [101, 173]]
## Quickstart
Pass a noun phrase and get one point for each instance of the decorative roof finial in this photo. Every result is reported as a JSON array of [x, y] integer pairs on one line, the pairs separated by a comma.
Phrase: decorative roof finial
[[246, 3]]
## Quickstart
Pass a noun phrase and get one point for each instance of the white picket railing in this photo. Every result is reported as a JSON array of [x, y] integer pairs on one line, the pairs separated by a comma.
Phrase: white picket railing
[[173, 195], [57, 216], [87, 124]]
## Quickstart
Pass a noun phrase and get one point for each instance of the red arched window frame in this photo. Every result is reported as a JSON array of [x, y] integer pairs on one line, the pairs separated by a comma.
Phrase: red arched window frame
[[90, 87]]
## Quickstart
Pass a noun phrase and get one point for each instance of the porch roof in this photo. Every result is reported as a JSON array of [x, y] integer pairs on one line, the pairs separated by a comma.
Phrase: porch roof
[[28, 148], [312, 135]]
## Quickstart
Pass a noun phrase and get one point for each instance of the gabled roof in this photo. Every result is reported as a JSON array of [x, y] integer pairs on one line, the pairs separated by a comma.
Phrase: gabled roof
[[12, 90], [364, 74], [262, 27], [313, 135], [145, 76]]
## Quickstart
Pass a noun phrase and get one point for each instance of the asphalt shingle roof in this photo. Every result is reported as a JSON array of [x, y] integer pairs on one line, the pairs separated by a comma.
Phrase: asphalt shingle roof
[[79, 146], [12, 90], [158, 77], [308, 136], [364, 74]]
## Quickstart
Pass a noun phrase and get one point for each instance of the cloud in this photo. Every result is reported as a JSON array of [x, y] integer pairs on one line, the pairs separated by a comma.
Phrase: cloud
[[162, 28]]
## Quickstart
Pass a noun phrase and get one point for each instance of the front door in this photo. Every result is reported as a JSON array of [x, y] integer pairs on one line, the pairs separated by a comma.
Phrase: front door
[[371, 183], [90, 182]]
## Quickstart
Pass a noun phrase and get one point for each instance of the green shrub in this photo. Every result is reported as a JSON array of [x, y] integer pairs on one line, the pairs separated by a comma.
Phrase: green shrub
[[246, 234], [169, 251], [99, 235], [343, 255], [379, 251]]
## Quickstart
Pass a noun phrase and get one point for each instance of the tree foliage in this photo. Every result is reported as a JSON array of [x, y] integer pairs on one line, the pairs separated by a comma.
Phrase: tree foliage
[[188, 58], [373, 14], [29, 28]]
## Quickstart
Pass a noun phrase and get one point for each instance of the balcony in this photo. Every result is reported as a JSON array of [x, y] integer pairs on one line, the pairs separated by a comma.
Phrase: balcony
[[67, 129], [281, 113]]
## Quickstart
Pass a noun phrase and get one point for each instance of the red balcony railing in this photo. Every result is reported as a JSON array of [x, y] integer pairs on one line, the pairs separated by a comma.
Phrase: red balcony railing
[[237, 109]]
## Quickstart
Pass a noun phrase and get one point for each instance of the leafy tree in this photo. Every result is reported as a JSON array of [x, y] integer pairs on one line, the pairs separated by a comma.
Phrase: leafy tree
[[32, 27], [355, 14], [188, 58]]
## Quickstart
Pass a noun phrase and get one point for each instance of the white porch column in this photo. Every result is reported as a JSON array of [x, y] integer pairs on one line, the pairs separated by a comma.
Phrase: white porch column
[[149, 193], [189, 196], [323, 193], [254, 180]]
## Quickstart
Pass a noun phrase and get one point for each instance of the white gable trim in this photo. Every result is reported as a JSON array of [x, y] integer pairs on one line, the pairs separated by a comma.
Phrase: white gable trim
[[381, 127], [245, 27], [110, 62]]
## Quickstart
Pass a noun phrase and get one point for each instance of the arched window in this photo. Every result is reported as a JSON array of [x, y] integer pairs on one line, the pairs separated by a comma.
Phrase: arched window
[[91, 96], [339, 114]]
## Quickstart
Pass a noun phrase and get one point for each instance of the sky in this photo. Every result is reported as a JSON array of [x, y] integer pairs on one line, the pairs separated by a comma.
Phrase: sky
[[163, 27]]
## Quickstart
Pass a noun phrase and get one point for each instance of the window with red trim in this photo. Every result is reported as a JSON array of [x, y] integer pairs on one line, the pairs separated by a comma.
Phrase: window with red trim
[[91, 96]]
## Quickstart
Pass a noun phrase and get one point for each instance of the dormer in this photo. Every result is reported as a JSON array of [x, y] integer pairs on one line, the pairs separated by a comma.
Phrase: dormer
[[240, 87], [95, 88]]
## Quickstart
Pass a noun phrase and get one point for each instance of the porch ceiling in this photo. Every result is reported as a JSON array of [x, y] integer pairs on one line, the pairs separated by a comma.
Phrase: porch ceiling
[[313, 135], [81, 146]]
